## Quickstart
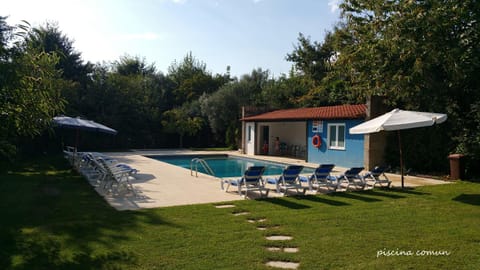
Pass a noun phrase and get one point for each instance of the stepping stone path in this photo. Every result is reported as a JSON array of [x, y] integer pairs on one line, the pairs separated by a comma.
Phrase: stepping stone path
[[279, 238], [290, 250], [241, 213], [225, 206], [276, 264], [283, 265], [285, 249], [264, 228], [256, 220]]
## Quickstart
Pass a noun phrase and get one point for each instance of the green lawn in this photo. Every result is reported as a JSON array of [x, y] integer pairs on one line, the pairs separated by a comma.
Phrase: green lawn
[[52, 219]]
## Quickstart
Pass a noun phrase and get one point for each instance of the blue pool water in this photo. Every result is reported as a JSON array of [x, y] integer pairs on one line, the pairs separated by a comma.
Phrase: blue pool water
[[226, 166]]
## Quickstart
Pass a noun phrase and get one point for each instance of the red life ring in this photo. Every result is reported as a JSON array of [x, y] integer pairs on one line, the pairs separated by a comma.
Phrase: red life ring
[[316, 141]]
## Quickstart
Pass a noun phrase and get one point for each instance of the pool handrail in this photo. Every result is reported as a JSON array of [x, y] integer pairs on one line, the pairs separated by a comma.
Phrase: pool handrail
[[196, 161]]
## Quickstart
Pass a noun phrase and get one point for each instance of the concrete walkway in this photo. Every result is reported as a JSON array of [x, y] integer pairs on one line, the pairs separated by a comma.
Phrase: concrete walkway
[[160, 184]]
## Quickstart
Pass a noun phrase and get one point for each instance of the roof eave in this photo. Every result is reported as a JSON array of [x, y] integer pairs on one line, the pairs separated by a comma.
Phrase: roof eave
[[299, 119]]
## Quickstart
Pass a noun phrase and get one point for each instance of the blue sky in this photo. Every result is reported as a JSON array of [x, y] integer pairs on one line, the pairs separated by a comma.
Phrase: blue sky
[[242, 34]]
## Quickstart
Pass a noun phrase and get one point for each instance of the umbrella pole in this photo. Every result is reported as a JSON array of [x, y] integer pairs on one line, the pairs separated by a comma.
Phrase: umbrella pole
[[401, 156]]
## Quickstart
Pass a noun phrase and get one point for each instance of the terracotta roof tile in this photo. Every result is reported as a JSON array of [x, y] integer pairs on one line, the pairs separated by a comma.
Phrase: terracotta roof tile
[[327, 112]]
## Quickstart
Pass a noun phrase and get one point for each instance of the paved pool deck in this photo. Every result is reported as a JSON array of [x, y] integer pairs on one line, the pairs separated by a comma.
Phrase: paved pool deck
[[159, 184]]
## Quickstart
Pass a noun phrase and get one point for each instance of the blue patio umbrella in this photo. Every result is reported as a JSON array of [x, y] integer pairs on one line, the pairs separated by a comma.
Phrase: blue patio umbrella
[[81, 124]]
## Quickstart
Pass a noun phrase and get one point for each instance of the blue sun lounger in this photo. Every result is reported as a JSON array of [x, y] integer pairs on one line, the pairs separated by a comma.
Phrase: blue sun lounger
[[250, 181], [321, 178], [354, 178], [378, 175], [288, 180]]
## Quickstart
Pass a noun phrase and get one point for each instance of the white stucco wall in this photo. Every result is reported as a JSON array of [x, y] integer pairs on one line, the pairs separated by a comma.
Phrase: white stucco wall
[[250, 138], [291, 133]]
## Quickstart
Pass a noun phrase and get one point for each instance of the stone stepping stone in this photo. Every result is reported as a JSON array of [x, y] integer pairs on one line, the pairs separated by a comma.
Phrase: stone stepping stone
[[225, 206], [279, 238], [241, 213], [264, 228], [285, 249], [256, 220], [283, 265], [290, 250]]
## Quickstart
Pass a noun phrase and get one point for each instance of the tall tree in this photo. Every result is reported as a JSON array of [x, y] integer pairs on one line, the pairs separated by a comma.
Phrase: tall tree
[[222, 108], [288, 92], [182, 122], [420, 55], [30, 97], [191, 79], [188, 81], [5, 36], [313, 63], [222, 111], [406, 49], [312, 59], [128, 95], [128, 65], [49, 38]]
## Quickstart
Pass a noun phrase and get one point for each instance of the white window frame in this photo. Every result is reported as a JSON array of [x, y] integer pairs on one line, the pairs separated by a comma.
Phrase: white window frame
[[335, 146]]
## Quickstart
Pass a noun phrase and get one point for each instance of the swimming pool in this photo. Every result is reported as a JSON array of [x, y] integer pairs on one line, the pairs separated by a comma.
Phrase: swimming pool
[[225, 165]]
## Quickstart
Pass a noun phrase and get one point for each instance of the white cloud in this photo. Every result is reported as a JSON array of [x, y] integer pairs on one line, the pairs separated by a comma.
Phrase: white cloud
[[334, 5], [179, 1]]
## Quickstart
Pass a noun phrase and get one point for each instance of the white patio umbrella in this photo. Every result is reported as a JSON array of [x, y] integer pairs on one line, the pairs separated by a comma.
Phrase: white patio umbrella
[[81, 124], [397, 120]]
